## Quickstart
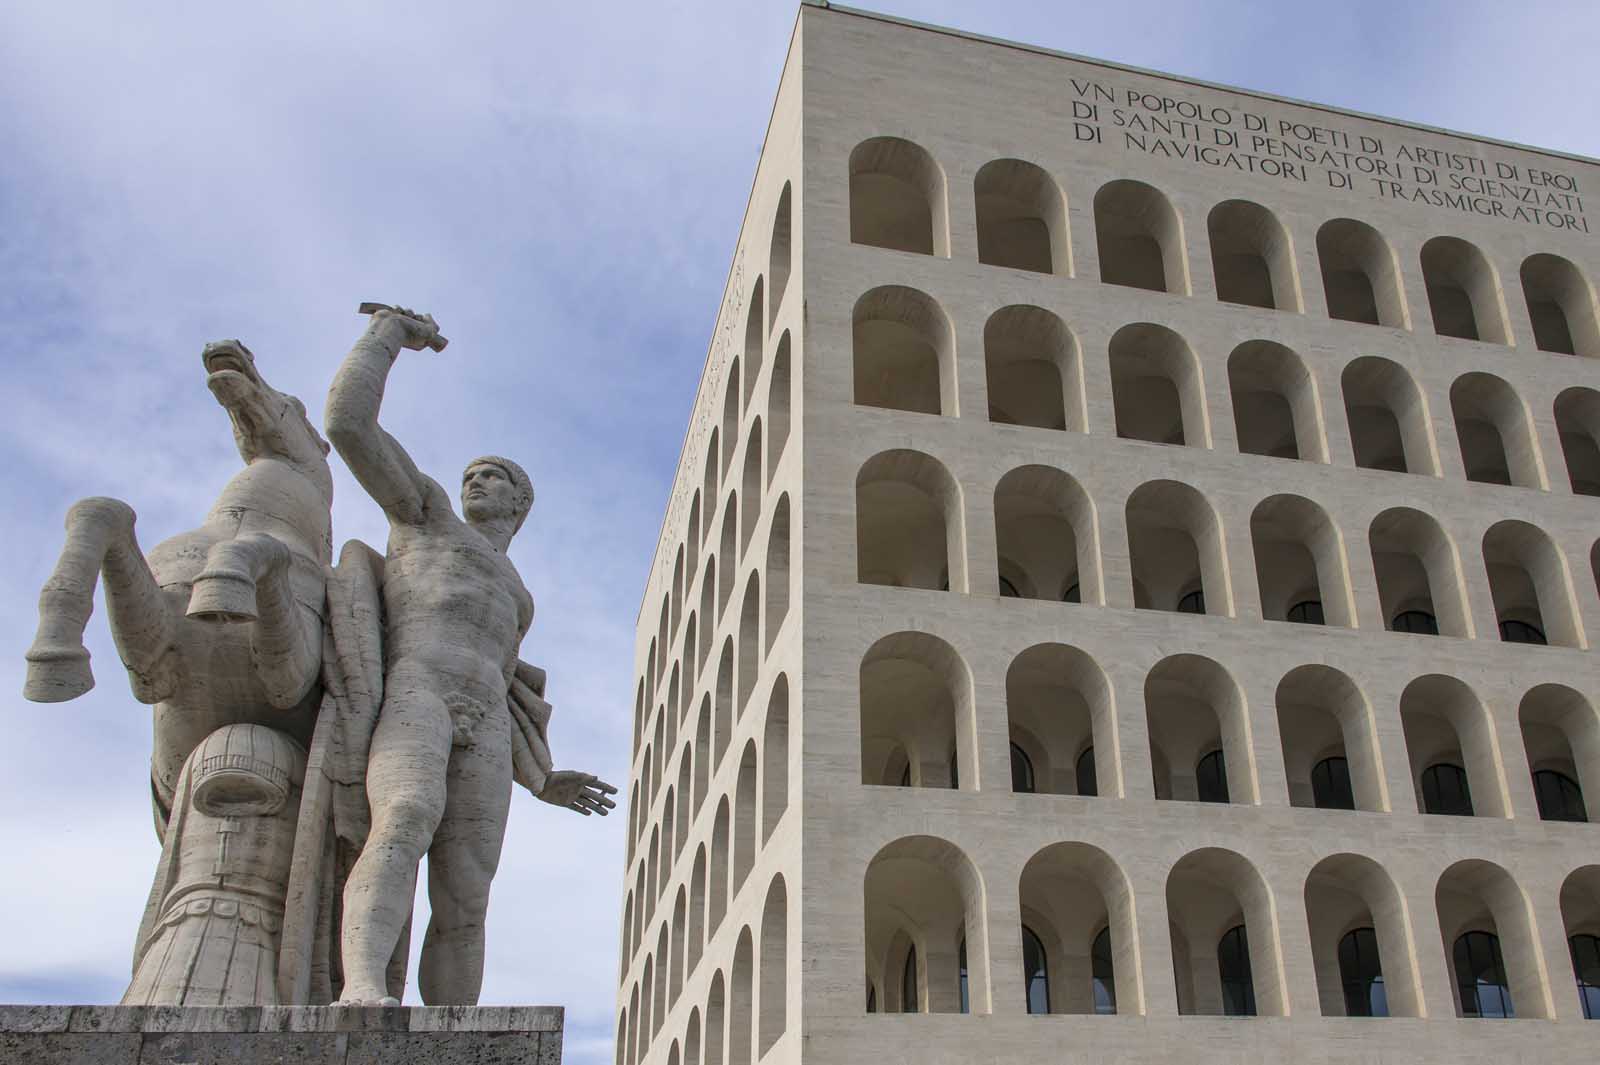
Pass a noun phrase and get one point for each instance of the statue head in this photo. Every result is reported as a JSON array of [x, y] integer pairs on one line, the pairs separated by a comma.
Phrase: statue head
[[493, 488], [266, 423]]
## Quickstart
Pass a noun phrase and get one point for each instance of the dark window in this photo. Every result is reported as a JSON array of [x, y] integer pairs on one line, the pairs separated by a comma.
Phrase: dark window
[[1513, 631], [1035, 972], [1085, 773], [1211, 777], [1193, 603], [1072, 595], [909, 1002], [1008, 590], [1445, 791], [1481, 976], [961, 976], [1361, 973], [1330, 785], [1021, 771], [1586, 970], [1307, 612], [872, 999], [1102, 969], [1560, 798], [955, 769], [1233, 966], [1418, 621]]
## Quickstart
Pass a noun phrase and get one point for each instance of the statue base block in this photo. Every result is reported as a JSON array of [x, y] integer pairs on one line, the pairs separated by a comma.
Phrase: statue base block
[[281, 1035]]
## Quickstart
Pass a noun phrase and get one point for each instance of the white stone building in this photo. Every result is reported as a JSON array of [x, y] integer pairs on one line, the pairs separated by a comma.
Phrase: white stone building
[[1109, 558]]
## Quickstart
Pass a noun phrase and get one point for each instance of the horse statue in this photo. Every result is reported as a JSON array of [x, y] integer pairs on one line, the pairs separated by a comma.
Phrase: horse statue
[[260, 557]]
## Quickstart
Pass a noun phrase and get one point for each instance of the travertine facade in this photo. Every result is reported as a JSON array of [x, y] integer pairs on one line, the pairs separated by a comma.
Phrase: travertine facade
[[1046, 398]]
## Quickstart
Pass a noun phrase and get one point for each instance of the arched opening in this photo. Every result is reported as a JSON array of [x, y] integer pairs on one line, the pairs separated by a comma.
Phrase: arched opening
[[1360, 274], [1140, 238], [897, 197], [908, 523], [1047, 536], [697, 909], [1252, 257], [1580, 918], [1199, 732], [1577, 412], [1224, 937], [780, 253], [778, 406], [1156, 387], [716, 1018], [1077, 909], [745, 817], [755, 336], [1463, 292], [1560, 306], [1561, 735], [1300, 563], [708, 490], [924, 902], [774, 1014], [691, 1039], [1530, 586], [916, 714], [1060, 713], [717, 879], [1275, 407], [904, 352], [750, 488], [778, 570], [1034, 377], [1454, 755], [741, 995], [730, 416], [749, 643], [1419, 582], [728, 551], [722, 721], [1360, 940], [1330, 749], [1022, 218], [1388, 418], [702, 753], [1495, 432], [680, 921], [1176, 551], [708, 614], [775, 758], [1488, 936]]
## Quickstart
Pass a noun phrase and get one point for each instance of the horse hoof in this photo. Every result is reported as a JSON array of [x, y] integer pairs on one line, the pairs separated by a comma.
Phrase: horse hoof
[[56, 675], [223, 597]]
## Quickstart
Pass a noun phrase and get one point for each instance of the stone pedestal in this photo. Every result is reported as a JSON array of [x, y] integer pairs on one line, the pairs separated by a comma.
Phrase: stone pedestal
[[280, 1035]]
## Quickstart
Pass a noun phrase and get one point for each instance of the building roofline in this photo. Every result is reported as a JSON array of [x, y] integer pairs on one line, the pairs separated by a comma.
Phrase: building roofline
[[1128, 68]]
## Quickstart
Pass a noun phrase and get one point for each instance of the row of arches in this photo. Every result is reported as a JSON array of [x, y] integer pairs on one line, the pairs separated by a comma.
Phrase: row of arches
[[1049, 537], [745, 1010], [735, 830], [928, 940], [919, 718], [904, 358], [898, 201]]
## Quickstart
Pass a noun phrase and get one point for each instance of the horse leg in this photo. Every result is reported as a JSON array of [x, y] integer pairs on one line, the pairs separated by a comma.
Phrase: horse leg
[[100, 537], [247, 579]]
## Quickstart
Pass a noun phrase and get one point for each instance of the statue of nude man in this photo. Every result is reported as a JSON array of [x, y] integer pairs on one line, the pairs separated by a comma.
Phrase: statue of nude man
[[439, 774]]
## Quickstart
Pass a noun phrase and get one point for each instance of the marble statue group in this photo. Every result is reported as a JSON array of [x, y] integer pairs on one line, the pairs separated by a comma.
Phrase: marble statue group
[[320, 725]]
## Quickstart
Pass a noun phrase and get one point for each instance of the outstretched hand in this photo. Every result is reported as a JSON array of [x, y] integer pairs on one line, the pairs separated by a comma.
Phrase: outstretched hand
[[583, 792]]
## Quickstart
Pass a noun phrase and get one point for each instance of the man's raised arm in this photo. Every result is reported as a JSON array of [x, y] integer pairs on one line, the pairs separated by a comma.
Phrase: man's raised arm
[[377, 460]]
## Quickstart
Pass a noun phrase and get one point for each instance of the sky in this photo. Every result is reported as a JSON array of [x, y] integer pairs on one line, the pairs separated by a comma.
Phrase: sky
[[562, 186]]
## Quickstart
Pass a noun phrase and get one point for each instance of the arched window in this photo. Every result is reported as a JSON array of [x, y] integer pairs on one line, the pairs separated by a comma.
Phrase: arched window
[[1306, 612], [909, 1002], [1361, 973], [961, 977], [955, 769], [1560, 798], [1481, 976], [1416, 621], [1022, 778], [1445, 791], [1035, 974], [1211, 779], [1330, 785], [1193, 603], [1085, 773], [1586, 970], [1233, 966], [1514, 631], [1103, 972]]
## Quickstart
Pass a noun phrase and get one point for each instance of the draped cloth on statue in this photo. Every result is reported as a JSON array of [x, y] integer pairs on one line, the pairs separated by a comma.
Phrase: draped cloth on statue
[[336, 776]]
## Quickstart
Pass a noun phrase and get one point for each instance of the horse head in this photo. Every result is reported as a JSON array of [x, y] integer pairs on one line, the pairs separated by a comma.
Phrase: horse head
[[267, 424]]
